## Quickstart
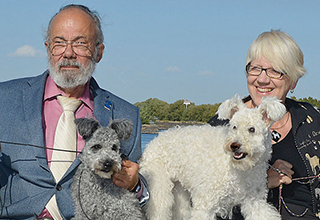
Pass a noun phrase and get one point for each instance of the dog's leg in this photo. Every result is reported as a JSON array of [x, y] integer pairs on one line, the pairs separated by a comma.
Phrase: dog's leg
[[202, 214], [202, 205], [259, 209], [160, 186], [182, 204]]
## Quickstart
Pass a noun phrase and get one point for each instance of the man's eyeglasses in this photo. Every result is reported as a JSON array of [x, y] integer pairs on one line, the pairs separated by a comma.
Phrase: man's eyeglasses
[[256, 71], [79, 47]]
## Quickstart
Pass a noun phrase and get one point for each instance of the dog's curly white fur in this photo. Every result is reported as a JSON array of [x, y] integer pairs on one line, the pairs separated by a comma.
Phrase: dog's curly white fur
[[94, 193], [216, 168]]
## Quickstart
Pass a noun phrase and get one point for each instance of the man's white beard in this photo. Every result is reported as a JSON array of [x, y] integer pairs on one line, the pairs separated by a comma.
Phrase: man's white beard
[[69, 78]]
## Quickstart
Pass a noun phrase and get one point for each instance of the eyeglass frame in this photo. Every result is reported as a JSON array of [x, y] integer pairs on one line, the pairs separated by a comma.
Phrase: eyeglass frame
[[263, 69], [71, 42]]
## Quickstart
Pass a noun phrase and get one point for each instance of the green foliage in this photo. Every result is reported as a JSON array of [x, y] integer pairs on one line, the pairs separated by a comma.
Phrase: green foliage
[[176, 110], [154, 109], [310, 100]]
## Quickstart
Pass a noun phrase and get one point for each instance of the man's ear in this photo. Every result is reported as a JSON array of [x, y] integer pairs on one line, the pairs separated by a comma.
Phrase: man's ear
[[46, 44], [100, 52]]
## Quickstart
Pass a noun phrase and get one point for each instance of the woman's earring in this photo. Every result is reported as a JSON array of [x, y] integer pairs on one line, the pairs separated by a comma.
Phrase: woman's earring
[[291, 91]]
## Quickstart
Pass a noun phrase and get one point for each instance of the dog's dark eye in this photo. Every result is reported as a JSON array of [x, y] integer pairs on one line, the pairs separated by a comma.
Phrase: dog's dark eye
[[234, 127], [96, 147], [252, 130], [114, 147]]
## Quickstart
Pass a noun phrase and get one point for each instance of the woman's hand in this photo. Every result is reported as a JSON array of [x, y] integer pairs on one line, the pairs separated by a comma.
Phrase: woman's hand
[[275, 179]]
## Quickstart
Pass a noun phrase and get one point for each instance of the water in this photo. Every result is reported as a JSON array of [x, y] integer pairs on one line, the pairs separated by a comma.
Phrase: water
[[146, 138]]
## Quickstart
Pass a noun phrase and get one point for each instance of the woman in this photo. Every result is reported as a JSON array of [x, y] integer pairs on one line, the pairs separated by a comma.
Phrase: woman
[[274, 66]]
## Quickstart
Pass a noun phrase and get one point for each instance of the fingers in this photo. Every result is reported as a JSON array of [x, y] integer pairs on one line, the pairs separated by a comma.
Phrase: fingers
[[281, 173], [129, 164], [128, 176], [284, 167]]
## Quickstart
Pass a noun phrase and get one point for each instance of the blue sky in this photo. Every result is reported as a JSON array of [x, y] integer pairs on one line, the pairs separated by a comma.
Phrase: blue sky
[[168, 49]]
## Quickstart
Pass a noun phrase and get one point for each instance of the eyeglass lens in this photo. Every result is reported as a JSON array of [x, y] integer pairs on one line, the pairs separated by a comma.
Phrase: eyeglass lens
[[79, 48], [256, 71]]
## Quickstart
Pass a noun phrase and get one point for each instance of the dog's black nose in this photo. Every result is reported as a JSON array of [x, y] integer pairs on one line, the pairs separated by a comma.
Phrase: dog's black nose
[[107, 165], [234, 146]]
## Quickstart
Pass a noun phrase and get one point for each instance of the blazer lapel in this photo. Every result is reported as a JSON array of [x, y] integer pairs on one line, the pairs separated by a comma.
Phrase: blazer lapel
[[32, 98], [103, 105]]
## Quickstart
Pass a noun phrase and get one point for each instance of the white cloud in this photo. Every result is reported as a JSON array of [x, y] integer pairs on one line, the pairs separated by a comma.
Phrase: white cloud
[[27, 51], [206, 73], [172, 69]]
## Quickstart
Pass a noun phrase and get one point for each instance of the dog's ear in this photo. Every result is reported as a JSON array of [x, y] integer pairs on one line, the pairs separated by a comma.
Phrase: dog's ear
[[229, 107], [86, 127], [271, 109], [123, 128]]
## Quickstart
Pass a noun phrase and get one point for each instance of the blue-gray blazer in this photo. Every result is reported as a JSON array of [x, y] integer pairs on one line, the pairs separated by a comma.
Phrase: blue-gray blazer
[[26, 183]]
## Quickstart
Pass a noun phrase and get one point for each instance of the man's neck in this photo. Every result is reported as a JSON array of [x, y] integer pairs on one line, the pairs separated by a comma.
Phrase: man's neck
[[73, 92]]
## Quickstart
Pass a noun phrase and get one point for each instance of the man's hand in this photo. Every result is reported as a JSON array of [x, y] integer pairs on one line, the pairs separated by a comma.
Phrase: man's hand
[[128, 176], [275, 178]]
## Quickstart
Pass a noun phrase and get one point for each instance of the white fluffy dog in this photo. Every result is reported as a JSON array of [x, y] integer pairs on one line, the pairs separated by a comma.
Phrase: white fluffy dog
[[198, 172]]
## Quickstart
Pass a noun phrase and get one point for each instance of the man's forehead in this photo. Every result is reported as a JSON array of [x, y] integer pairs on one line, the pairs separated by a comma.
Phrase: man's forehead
[[72, 23], [58, 37]]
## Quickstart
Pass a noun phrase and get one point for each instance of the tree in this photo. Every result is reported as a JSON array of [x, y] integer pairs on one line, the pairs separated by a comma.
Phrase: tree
[[310, 100], [175, 110], [152, 109]]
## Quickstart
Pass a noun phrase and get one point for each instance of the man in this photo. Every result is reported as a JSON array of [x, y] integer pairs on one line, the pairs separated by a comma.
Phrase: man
[[29, 114]]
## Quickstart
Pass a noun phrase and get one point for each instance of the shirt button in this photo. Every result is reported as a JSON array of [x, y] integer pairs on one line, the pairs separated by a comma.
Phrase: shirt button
[[59, 187]]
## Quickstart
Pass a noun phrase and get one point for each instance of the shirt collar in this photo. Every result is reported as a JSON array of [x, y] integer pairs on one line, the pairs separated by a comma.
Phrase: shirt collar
[[52, 91]]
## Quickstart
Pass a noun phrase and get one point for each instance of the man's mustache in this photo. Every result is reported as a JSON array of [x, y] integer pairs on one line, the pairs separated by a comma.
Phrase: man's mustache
[[67, 63]]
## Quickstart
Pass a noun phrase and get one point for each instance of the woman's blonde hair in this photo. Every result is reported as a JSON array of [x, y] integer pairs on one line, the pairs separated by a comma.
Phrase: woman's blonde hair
[[281, 51]]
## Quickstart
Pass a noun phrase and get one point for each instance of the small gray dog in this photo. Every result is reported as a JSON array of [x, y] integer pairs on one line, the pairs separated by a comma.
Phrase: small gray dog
[[94, 194]]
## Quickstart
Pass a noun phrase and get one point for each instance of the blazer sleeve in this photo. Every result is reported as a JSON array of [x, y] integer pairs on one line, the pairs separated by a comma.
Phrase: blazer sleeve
[[136, 150]]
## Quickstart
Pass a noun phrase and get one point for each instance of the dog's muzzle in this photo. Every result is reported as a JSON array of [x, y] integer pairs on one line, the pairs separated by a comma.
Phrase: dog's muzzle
[[237, 154], [107, 166]]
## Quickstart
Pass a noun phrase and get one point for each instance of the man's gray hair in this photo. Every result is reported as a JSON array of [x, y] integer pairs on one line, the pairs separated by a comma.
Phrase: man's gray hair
[[93, 14]]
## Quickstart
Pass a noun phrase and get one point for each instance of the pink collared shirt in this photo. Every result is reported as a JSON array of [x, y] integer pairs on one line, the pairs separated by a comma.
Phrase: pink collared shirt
[[52, 111], [51, 114]]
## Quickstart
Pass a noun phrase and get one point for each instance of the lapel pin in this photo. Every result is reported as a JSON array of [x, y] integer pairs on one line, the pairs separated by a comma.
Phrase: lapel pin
[[108, 105]]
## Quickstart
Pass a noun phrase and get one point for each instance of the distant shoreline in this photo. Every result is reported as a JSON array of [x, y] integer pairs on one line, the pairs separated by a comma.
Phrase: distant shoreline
[[159, 125]]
